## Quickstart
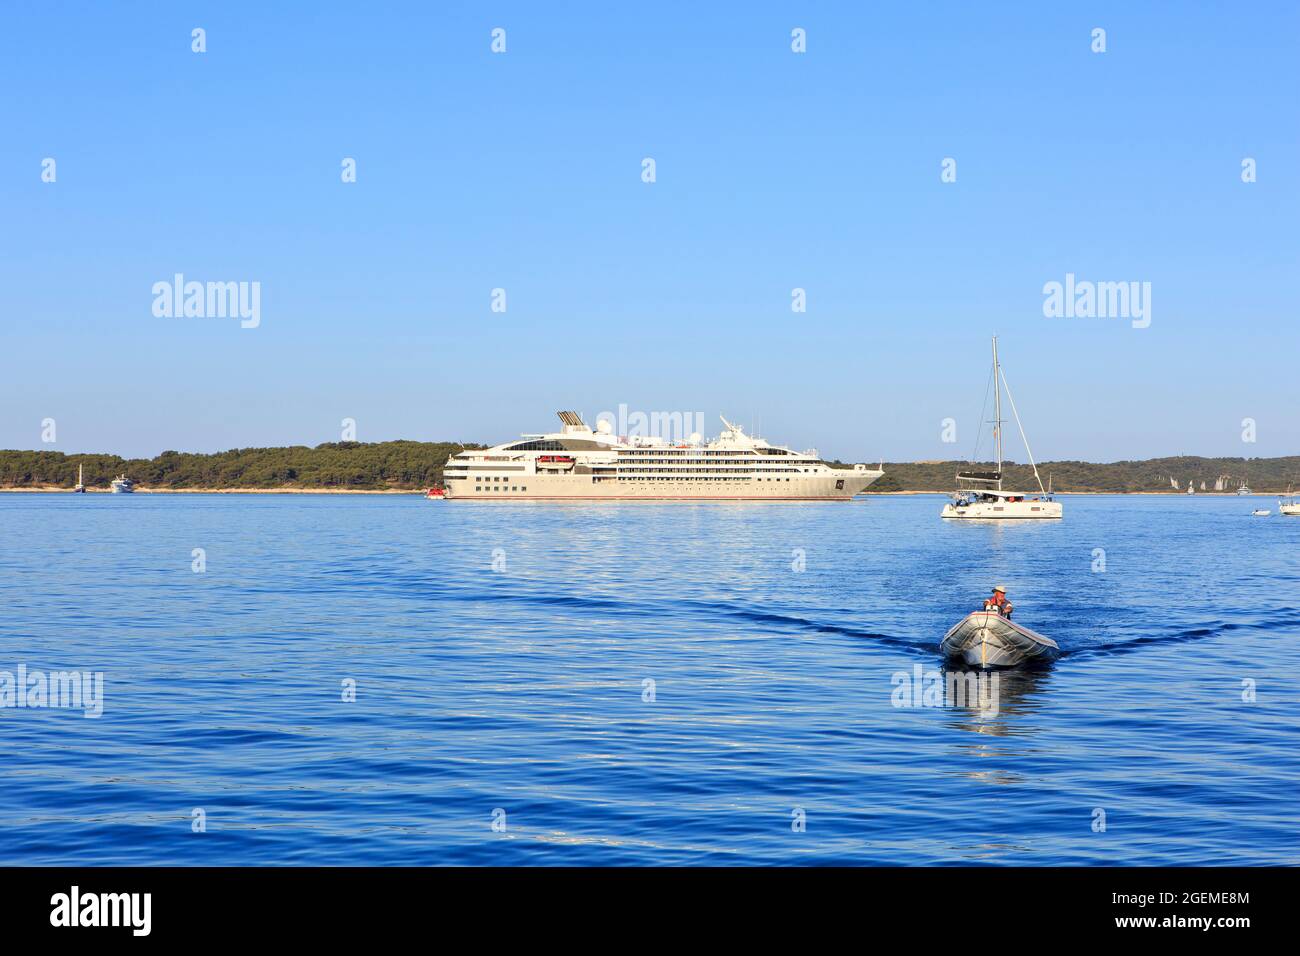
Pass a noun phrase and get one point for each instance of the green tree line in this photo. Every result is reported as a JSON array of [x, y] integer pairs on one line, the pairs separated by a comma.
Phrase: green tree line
[[1263, 475], [411, 465], [390, 465]]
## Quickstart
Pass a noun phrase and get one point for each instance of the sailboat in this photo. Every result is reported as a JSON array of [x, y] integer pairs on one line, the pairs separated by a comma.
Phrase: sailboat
[[988, 499], [81, 487], [1290, 505]]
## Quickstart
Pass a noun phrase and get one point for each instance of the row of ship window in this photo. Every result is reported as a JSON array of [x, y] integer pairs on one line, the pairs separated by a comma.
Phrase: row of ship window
[[525, 487], [673, 464], [478, 487], [696, 452], [731, 478], [728, 478], [652, 471], [739, 470]]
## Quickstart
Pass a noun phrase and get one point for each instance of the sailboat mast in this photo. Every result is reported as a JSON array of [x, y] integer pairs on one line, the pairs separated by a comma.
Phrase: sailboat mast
[[997, 410]]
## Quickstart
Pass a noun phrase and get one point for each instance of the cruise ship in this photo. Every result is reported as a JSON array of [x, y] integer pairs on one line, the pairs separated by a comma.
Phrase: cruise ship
[[579, 463]]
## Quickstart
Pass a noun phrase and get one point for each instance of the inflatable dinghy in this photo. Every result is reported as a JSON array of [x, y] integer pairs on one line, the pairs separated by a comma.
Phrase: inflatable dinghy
[[987, 639]]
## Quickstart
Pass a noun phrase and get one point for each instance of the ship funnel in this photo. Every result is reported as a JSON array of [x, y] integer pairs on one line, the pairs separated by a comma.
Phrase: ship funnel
[[572, 421]]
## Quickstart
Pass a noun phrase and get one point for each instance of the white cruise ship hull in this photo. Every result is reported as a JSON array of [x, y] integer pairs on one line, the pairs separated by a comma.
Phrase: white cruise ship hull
[[585, 488]]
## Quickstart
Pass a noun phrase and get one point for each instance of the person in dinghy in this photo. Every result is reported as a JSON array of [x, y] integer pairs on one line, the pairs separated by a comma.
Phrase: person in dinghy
[[999, 602]]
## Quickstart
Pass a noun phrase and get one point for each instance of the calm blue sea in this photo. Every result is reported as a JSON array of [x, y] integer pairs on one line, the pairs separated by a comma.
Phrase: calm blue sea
[[502, 654]]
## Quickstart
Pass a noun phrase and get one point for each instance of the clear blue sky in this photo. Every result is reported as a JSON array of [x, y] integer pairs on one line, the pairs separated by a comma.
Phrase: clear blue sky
[[775, 170]]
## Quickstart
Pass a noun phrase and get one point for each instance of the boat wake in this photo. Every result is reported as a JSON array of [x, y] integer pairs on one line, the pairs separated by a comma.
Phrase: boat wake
[[1183, 635], [686, 610]]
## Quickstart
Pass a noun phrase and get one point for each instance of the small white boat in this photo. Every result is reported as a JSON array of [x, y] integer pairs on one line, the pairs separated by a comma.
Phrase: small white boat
[[81, 487], [987, 639], [122, 485], [1244, 489], [982, 496], [1261, 512]]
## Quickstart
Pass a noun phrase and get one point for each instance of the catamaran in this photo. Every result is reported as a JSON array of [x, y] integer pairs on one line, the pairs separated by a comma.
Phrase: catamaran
[[1290, 505], [983, 495]]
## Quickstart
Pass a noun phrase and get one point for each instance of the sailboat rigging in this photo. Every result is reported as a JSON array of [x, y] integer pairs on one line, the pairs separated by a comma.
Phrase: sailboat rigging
[[988, 499]]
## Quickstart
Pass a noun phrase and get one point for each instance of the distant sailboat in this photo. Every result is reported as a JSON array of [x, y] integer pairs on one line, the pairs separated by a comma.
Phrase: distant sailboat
[[990, 501], [1191, 487], [81, 487], [1173, 482]]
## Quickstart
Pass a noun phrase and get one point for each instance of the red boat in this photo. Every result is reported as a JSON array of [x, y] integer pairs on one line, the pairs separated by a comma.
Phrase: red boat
[[436, 493]]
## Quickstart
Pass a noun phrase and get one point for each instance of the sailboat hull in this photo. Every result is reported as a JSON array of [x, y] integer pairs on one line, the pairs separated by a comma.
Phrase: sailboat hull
[[1002, 510], [987, 639]]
